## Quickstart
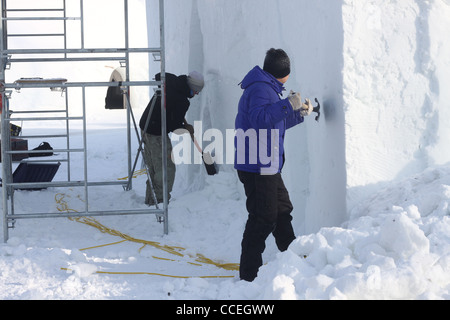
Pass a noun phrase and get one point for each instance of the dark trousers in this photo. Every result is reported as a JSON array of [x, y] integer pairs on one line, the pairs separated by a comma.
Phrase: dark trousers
[[269, 211]]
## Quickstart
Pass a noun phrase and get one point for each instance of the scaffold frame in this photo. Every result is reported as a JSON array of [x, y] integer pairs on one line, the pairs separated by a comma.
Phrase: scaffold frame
[[66, 55]]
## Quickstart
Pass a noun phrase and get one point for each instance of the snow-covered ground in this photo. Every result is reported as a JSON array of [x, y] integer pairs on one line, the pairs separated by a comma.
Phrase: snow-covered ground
[[396, 245], [370, 181]]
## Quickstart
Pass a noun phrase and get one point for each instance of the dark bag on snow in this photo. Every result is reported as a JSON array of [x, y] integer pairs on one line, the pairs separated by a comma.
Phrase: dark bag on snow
[[42, 146]]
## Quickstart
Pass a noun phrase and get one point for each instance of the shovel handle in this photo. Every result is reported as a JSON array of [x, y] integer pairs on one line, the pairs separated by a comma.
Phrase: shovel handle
[[194, 140], [196, 144]]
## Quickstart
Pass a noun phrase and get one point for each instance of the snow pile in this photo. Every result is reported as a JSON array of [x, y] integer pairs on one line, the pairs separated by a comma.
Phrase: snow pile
[[396, 246]]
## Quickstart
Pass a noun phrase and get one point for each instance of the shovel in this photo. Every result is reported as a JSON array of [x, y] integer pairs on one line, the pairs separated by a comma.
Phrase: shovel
[[210, 165]]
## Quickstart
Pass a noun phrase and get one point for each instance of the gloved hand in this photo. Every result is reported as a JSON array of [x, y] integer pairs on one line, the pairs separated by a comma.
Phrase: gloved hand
[[306, 108], [295, 99]]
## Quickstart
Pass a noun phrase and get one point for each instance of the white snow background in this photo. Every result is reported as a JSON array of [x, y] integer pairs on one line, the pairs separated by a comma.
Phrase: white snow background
[[370, 181]]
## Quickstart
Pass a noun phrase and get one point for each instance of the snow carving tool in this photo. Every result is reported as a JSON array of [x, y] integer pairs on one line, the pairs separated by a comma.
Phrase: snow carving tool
[[316, 109], [210, 165]]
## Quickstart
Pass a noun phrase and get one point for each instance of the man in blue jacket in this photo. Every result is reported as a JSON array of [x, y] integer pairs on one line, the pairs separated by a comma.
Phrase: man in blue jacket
[[262, 120]]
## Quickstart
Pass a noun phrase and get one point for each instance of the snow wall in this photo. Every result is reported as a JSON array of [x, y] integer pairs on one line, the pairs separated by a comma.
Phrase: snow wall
[[380, 70]]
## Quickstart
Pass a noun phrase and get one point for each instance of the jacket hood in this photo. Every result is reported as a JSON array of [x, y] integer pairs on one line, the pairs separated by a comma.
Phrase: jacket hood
[[259, 75]]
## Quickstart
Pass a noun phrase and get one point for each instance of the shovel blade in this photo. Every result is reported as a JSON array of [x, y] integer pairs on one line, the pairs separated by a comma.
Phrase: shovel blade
[[210, 166]]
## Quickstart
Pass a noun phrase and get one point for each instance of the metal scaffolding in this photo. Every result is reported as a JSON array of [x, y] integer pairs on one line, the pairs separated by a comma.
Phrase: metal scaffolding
[[10, 56]]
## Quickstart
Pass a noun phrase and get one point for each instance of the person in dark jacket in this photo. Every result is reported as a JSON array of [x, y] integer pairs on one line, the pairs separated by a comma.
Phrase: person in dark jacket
[[261, 123], [179, 89]]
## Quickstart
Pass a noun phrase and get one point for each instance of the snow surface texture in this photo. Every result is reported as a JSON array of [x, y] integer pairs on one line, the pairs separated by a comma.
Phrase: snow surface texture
[[369, 182], [396, 245]]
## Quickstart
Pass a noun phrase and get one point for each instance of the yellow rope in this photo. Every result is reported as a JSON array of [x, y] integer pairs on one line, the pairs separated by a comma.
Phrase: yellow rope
[[135, 174], [226, 266], [103, 245], [154, 274], [175, 250]]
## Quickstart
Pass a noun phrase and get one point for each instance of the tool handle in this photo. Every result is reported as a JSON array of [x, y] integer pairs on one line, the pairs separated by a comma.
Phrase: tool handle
[[316, 109], [194, 140], [196, 144]]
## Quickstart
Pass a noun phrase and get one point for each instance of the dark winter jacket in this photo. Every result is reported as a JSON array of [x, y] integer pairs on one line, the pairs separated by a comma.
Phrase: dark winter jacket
[[177, 104], [261, 124]]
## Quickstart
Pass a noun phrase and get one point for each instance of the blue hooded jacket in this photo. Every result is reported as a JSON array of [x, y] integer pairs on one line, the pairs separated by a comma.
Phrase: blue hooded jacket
[[261, 122]]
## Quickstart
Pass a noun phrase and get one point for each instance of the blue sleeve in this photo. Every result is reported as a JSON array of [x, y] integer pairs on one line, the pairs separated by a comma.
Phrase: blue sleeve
[[295, 119], [263, 112]]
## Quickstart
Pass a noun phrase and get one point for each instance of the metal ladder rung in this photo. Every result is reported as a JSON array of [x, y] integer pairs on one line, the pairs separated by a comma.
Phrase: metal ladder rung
[[44, 136], [38, 111], [40, 18], [36, 160], [34, 10], [66, 59], [36, 35], [40, 151], [45, 119], [78, 183], [11, 217], [82, 50]]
